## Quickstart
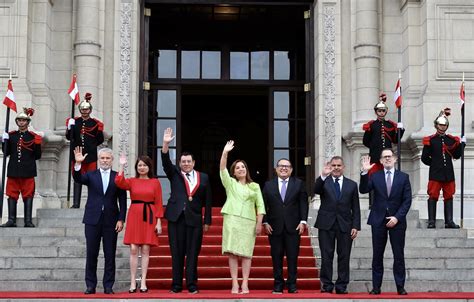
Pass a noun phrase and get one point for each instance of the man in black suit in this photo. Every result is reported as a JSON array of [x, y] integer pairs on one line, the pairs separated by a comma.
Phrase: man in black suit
[[392, 201], [338, 220], [103, 218], [190, 190], [286, 205]]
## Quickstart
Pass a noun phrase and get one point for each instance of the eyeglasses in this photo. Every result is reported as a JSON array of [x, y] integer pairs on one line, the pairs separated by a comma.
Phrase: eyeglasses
[[284, 166]]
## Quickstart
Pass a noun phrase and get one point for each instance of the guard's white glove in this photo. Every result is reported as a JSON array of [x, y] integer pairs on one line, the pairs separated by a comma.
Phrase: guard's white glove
[[400, 125], [5, 136], [70, 122], [463, 139]]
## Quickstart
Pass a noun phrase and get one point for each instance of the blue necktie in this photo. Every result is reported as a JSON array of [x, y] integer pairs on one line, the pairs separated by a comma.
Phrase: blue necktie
[[283, 190], [337, 188]]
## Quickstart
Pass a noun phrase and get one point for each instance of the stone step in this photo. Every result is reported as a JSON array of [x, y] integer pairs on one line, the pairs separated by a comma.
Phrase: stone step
[[417, 253], [58, 274], [418, 274], [417, 263], [70, 286], [59, 213], [415, 233], [429, 242], [415, 286], [54, 252], [55, 263]]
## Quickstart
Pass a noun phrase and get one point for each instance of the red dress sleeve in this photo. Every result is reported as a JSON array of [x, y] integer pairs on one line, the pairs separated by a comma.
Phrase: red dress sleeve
[[122, 182], [158, 199]]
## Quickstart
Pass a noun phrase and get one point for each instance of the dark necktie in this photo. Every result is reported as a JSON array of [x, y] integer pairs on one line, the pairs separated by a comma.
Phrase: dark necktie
[[188, 176], [283, 189], [337, 188]]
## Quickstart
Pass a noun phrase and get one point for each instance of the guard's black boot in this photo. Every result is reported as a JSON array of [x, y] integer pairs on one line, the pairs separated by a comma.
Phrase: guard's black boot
[[28, 203], [11, 223], [76, 199], [448, 215], [431, 214]]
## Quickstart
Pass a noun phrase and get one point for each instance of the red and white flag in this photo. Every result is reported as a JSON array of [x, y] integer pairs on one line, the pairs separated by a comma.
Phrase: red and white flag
[[9, 99], [74, 90], [397, 97], [462, 95]]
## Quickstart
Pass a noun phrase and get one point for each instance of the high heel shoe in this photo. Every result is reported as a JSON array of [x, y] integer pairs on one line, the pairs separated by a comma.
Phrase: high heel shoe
[[132, 291], [234, 291], [143, 290]]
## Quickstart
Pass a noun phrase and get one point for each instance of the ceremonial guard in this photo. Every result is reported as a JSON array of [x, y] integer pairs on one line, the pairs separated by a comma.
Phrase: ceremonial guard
[[439, 150], [380, 134], [85, 132], [24, 148]]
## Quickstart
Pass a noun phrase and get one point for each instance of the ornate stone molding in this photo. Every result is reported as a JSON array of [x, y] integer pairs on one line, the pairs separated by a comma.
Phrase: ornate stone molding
[[329, 82], [125, 76]]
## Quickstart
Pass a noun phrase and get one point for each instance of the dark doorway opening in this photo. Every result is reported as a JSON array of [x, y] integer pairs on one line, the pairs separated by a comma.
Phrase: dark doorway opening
[[210, 120]]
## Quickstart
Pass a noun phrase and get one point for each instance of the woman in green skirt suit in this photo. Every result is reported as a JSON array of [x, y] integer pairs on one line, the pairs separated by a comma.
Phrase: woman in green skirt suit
[[243, 213]]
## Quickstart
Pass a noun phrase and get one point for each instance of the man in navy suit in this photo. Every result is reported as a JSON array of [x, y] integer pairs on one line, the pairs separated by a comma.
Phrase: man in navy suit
[[338, 220], [190, 191], [103, 217], [392, 201], [286, 205]]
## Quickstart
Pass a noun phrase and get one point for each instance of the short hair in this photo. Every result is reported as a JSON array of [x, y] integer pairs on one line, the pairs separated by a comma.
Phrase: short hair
[[284, 158], [337, 157], [186, 153], [388, 149], [105, 150], [147, 161]]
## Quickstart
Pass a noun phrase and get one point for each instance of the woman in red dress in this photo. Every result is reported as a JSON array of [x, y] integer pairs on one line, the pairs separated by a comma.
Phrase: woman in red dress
[[144, 215]]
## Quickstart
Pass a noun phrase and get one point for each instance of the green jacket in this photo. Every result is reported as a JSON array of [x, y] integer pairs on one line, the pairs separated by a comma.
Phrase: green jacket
[[242, 200]]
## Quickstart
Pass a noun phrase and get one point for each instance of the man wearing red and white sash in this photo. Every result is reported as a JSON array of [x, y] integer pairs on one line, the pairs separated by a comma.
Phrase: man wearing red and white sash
[[190, 191], [24, 148]]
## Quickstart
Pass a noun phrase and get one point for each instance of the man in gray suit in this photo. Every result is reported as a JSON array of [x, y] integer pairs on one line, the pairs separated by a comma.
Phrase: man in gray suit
[[338, 220]]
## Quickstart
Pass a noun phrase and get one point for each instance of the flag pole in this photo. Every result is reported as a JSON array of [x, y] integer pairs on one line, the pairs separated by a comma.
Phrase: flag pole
[[462, 149], [71, 144], [399, 137], [4, 165]]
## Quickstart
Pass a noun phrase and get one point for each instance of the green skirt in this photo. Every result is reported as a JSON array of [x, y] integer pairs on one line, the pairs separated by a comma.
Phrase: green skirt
[[238, 236]]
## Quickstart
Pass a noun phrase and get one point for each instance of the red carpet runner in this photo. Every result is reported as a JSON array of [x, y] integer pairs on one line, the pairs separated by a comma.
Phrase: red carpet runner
[[213, 269]]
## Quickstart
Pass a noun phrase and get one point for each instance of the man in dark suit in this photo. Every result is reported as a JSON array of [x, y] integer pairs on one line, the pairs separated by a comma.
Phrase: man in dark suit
[[338, 220], [286, 205], [392, 201], [103, 218], [190, 190]]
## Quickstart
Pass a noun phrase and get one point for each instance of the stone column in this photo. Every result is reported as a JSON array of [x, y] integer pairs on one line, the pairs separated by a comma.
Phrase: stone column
[[87, 49], [367, 60]]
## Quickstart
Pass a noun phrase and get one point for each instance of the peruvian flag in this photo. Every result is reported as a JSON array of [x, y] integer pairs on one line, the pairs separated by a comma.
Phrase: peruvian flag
[[74, 90], [9, 99], [462, 95], [397, 97]]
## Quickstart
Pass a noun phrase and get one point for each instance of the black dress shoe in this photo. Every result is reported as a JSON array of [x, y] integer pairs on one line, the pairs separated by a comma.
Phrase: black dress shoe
[[175, 290], [324, 290], [341, 291], [375, 291], [89, 291], [293, 290], [401, 291], [193, 290], [109, 291], [277, 290]]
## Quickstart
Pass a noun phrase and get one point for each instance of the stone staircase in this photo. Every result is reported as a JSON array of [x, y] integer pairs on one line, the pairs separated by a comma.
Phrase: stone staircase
[[436, 259], [51, 257]]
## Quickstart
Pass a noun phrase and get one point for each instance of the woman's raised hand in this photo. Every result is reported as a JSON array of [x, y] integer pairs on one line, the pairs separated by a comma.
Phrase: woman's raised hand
[[123, 159], [229, 146]]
